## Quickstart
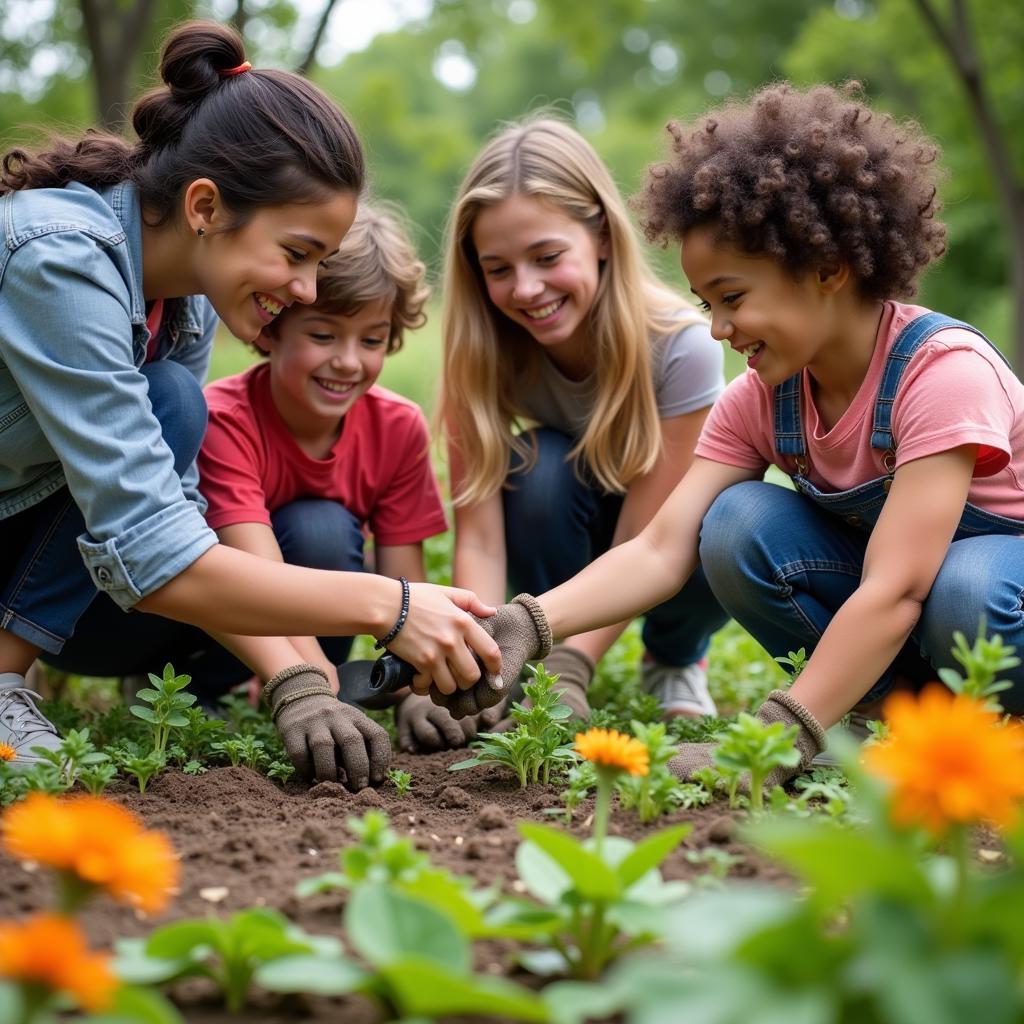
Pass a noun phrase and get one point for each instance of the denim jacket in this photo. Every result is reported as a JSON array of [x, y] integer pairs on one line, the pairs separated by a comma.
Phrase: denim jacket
[[74, 408]]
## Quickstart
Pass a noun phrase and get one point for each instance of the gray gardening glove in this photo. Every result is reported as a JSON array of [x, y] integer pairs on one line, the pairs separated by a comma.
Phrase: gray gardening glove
[[320, 733], [779, 706], [523, 634], [423, 726], [575, 671]]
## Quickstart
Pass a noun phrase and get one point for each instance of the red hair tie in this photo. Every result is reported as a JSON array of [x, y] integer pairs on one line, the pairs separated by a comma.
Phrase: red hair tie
[[241, 69]]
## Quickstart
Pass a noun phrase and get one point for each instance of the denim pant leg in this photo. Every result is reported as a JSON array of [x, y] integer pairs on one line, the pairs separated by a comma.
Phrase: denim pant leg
[[556, 524], [47, 590], [979, 576], [782, 568]]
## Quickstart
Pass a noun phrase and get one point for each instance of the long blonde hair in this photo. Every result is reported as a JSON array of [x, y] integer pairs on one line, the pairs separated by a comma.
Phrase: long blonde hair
[[486, 355]]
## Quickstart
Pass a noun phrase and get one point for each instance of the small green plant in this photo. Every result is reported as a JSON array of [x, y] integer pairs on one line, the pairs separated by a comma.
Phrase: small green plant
[[227, 952], [982, 664], [658, 791], [749, 745], [795, 662], [199, 734], [377, 855], [142, 767], [401, 780], [281, 770], [539, 742], [718, 862], [75, 752], [231, 750], [96, 777], [580, 782], [194, 768], [166, 705]]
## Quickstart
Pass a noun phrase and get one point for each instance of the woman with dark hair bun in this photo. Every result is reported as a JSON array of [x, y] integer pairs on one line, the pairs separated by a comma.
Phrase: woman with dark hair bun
[[117, 261]]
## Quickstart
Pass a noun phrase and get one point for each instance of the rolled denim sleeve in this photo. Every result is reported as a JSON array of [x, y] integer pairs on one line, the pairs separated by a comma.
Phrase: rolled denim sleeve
[[66, 337], [195, 357]]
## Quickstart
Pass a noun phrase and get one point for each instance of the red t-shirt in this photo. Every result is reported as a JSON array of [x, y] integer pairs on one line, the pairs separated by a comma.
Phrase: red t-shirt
[[379, 468]]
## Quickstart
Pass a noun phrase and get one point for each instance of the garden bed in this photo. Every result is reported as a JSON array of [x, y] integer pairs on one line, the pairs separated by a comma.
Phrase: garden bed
[[243, 842]]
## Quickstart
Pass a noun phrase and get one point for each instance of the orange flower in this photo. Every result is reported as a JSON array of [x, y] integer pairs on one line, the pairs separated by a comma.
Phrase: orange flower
[[51, 950], [949, 760], [7, 752], [610, 749], [97, 840]]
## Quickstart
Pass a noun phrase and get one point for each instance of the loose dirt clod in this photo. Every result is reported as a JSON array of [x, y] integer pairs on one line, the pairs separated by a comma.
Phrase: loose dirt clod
[[454, 796], [490, 816]]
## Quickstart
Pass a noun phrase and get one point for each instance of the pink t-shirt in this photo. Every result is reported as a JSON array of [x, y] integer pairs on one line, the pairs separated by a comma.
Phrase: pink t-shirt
[[379, 468], [955, 391]]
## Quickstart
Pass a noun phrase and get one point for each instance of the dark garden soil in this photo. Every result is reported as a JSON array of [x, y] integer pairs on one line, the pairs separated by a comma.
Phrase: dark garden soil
[[244, 842]]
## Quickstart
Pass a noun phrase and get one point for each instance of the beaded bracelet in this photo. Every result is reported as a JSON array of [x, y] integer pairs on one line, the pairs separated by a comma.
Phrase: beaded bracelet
[[400, 621]]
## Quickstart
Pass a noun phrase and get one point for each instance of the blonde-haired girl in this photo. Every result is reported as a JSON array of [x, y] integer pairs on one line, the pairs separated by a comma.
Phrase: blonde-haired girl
[[574, 388]]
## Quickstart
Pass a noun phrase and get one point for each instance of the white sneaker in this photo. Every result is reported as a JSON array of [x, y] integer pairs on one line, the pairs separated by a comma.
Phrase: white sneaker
[[680, 690], [22, 724]]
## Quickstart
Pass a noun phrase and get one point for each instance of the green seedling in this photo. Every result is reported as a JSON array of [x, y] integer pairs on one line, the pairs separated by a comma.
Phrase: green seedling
[[540, 741], [228, 952], [75, 752], [401, 780], [243, 750], [166, 708], [96, 777], [718, 862], [194, 768], [749, 745], [419, 965], [281, 770], [608, 896], [142, 767], [16, 783], [198, 736], [982, 663], [580, 782], [658, 791], [377, 855], [794, 663]]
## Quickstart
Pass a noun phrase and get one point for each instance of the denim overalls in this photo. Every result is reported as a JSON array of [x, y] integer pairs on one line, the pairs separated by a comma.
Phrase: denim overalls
[[783, 566]]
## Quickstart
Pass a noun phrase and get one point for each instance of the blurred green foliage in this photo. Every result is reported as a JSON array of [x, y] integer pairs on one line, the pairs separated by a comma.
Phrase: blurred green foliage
[[426, 96]]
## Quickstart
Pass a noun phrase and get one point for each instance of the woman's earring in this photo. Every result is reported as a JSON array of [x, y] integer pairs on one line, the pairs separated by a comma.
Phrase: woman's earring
[[200, 232]]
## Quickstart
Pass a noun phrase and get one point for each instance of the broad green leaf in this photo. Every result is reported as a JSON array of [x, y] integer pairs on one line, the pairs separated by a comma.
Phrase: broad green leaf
[[650, 853], [384, 925], [431, 989], [470, 762], [591, 877], [321, 975], [326, 882], [146, 714], [148, 695], [542, 876], [133, 965], [182, 939], [133, 1005], [841, 863]]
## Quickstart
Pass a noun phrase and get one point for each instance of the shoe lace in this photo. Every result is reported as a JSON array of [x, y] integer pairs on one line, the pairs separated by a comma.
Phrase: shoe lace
[[19, 707]]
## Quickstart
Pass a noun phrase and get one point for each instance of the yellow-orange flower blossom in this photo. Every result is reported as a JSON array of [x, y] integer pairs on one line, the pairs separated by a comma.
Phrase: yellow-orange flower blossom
[[610, 749], [50, 950], [99, 841], [7, 752], [949, 761]]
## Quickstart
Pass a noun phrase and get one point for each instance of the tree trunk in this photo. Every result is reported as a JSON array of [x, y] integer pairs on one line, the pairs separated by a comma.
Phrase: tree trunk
[[114, 38], [306, 63], [958, 42]]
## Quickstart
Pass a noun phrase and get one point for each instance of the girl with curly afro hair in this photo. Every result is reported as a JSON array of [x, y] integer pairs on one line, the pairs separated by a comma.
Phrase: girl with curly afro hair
[[804, 220]]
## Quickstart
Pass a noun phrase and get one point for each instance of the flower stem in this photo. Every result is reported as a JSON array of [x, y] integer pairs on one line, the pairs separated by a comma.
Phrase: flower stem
[[959, 847], [602, 808]]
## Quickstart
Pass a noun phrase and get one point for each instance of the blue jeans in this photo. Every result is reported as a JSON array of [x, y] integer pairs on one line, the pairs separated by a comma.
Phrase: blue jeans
[[556, 524], [782, 567], [44, 585], [312, 532]]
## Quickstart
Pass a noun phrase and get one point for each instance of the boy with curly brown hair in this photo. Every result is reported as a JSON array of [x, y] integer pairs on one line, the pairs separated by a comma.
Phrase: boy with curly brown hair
[[804, 221]]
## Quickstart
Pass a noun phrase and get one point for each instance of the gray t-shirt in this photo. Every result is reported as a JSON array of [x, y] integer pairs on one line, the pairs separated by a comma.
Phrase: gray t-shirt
[[687, 371]]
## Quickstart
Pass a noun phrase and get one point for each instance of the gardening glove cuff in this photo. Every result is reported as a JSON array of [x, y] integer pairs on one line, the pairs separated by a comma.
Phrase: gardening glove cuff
[[522, 632], [779, 706], [319, 732], [782, 706]]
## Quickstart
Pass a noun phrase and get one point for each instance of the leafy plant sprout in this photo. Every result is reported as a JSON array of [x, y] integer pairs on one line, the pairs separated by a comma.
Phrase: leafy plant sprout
[[982, 662], [167, 705], [401, 780], [750, 746]]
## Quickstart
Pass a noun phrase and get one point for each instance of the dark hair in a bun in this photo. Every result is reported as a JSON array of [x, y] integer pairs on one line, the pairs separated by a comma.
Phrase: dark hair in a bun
[[264, 136]]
